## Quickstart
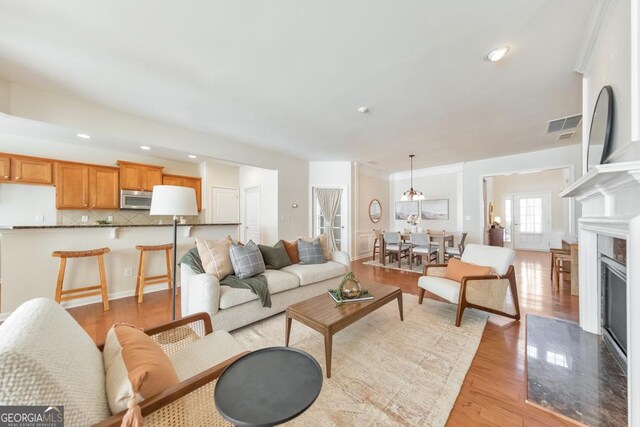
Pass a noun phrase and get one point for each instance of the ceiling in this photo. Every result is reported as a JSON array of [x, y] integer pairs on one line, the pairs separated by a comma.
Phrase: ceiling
[[290, 75]]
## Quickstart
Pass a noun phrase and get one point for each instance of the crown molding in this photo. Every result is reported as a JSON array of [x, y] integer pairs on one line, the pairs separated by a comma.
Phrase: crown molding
[[373, 172], [599, 16], [437, 170]]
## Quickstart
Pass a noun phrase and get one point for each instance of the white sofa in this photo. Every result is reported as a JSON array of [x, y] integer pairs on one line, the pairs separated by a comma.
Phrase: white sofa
[[232, 308]]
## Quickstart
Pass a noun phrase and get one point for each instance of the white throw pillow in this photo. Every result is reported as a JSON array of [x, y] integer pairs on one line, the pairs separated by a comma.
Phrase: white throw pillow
[[215, 258]]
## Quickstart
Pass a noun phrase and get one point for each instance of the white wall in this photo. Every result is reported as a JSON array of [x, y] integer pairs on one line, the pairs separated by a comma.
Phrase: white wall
[[267, 180], [370, 184], [71, 113], [442, 182], [568, 156], [337, 175], [610, 64], [21, 204]]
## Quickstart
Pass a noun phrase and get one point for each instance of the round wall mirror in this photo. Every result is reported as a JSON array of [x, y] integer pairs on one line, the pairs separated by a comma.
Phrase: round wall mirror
[[375, 211], [600, 146]]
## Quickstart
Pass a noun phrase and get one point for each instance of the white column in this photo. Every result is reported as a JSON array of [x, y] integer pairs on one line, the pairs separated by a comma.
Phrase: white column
[[589, 284]]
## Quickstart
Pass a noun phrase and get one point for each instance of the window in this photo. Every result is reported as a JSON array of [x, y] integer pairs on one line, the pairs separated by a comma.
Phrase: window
[[508, 218], [531, 215]]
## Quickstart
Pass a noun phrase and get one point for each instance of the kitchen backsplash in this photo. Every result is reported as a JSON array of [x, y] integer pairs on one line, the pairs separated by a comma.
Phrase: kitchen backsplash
[[121, 217]]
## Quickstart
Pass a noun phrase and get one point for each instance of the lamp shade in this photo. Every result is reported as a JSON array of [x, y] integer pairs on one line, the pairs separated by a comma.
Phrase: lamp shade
[[173, 200]]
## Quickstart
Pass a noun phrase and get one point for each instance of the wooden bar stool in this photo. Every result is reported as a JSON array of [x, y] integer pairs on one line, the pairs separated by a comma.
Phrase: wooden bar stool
[[101, 289], [562, 266], [143, 280]]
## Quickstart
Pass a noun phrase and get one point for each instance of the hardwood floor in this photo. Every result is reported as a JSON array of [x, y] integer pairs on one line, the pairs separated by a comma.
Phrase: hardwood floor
[[494, 389]]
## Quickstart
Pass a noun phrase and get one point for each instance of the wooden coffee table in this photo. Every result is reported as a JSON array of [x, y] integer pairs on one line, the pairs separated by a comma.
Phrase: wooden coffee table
[[322, 314]]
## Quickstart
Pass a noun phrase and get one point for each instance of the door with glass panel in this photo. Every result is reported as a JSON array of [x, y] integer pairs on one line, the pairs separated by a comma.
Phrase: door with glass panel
[[531, 222], [339, 229]]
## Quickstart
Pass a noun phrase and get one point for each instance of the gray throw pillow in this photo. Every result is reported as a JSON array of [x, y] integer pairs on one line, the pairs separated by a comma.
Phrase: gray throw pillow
[[275, 257], [311, 252], [246, 260]]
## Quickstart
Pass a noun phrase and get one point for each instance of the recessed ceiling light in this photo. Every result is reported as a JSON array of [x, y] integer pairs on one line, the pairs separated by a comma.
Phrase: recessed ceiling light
[[145, 147], [497, 54], [83, 136], [363, 110], [193, 156]]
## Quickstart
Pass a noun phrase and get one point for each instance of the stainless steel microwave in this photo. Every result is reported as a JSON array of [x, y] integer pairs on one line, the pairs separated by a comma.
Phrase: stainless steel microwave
[[130, 199]]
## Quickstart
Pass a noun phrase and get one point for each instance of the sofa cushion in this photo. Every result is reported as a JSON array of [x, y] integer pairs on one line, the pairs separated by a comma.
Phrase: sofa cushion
[[275, 257], [310, 252], [247, 260], [323, 243], [457, 270], [500, 259], [292, 251], [135, 365], [215, 258], [205, 353], [314, 273], [277, 281], [444, 288], [47, 358]]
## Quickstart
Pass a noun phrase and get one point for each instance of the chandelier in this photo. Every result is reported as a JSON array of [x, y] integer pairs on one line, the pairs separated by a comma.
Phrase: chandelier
[[412, 194]]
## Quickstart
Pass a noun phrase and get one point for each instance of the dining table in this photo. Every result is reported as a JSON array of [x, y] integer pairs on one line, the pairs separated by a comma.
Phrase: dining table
[[443, 238]]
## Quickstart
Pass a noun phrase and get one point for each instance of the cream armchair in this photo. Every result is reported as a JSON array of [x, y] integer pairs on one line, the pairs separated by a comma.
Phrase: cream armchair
[[488, 293]]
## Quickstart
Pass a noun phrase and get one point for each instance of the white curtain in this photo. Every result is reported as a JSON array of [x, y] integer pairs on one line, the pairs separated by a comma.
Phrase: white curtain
[[329, 201]]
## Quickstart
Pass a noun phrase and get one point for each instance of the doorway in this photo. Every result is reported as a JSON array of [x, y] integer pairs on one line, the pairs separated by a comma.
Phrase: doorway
[[340, 223], [223, 205], [253, 226], [528, 221]]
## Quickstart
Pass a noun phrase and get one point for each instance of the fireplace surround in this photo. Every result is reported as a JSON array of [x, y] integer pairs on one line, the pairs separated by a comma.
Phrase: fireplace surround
[[610, 199]]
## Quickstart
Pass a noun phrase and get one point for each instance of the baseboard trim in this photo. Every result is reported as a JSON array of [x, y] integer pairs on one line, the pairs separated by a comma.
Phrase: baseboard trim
[[97, 299]]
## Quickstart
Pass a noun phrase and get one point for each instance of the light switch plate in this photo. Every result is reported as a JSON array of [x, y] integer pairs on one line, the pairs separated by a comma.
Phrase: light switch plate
[[39, 219], [467, 218], [85, 218]]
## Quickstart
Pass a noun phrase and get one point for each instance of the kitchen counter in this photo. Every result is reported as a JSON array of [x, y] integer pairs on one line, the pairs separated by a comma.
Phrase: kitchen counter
[[35, 227]]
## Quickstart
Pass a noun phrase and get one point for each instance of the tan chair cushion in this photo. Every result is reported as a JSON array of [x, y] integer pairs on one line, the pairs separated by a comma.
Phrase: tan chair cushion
[[215, 257], [323, 242], [456, 270], [205, 353], [134, 364], [292, 251]]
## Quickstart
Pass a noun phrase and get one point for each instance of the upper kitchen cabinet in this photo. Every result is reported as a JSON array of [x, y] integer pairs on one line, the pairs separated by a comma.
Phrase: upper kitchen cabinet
[[138, 176], [25, 170], [80, 186], [104, 188], [5, 167], [72, 186], [186, 181]]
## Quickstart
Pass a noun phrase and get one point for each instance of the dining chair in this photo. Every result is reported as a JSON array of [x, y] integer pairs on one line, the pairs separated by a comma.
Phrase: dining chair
[[393, 245], [377, 243], [453, 251], [421, 246]]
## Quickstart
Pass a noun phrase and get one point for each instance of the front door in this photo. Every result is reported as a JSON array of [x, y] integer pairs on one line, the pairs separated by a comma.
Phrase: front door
[[531, 221], [252, 214]]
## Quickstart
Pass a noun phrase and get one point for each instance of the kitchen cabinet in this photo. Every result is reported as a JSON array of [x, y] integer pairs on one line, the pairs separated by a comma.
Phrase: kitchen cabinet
[[80, 186], [186, 181], [5, 167], [138, 176], [72, 186], [25, 170], [104, 188]]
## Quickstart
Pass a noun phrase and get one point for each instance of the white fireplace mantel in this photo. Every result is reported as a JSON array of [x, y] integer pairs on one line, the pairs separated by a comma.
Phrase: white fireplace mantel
[[610, 199]]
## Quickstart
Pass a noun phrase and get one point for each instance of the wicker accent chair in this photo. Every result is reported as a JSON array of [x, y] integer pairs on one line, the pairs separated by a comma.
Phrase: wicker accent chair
[[487, 293], [46, 356]]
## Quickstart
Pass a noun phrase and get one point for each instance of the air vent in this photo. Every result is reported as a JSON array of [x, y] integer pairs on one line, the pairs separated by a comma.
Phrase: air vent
[[566, 135], [564, 123]]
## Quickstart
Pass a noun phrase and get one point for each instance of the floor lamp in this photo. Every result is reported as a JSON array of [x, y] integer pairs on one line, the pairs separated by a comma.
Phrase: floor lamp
[[176, 201]]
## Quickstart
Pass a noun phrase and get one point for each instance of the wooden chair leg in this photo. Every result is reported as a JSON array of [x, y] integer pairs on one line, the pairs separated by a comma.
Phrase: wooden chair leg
[[169, 264], [459, 314], [61, 269], [421, 297], [138, 275], [142, 281], [103, 283]]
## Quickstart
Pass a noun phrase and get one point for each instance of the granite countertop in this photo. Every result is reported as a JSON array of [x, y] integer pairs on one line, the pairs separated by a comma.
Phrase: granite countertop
[[37, 227]]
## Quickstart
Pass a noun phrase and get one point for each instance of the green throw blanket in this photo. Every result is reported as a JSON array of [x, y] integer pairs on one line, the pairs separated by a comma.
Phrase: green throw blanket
[[256, 284]]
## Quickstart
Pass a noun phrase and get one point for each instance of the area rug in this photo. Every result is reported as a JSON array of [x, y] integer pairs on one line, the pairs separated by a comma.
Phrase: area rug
[[384, 371], [404, 266]]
